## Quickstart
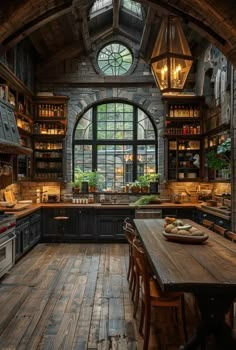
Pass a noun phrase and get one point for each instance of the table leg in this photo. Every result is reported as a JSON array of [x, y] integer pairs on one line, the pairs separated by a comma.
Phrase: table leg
[[213, 309]]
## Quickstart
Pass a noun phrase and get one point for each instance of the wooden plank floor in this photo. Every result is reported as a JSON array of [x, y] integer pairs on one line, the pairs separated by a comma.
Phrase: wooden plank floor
[[76, 296]]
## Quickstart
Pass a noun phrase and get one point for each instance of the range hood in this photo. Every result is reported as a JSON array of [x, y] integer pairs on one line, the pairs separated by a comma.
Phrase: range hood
[[9, 136]]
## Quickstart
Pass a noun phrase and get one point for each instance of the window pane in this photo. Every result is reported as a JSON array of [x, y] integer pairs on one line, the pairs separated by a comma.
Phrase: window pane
[[145, 127], [100, 5], [112, 164], [115, 119], [134, 7], [115, 59], [146, 159], [82, 158], [118, 162], [84, 130]]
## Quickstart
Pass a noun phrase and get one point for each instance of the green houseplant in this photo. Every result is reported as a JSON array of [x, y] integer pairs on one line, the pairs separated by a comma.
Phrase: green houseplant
[[144, 183], [94, 180], [153, 182], [135, 187], [221, 158]]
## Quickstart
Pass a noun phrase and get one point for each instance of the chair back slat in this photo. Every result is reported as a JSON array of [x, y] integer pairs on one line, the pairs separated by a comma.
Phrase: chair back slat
[[208, 224]]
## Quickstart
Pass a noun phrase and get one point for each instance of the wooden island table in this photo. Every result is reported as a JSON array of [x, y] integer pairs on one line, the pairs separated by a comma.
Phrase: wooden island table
[[208, 270]]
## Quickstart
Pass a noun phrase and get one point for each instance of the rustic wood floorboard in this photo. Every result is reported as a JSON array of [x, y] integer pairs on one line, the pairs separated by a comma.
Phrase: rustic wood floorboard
[[76, 297]]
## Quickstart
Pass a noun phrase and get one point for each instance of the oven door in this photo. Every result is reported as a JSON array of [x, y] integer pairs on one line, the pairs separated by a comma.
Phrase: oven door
[[7, 254]]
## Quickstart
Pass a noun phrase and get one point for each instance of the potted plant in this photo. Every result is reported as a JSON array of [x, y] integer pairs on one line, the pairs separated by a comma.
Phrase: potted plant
[[144, 183], [153, 182], [94, 180], [76, 184], [135, 187], [221, 158]]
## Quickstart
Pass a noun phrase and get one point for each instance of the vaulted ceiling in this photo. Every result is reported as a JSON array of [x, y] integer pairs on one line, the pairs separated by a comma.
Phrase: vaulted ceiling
[[60, 29]]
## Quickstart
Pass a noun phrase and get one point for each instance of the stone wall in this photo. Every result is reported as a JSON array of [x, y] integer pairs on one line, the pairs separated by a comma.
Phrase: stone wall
[[83, 85]]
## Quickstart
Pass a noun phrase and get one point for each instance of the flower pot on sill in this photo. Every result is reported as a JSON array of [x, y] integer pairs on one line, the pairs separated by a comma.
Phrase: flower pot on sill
[[92, 188], [144, 189], [76, 189]]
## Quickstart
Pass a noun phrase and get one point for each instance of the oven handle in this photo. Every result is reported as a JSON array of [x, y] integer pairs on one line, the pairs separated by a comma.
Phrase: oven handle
[[9, 240]]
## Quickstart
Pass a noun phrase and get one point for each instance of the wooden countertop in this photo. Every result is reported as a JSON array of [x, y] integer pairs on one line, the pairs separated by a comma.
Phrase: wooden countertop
[[34, 207]]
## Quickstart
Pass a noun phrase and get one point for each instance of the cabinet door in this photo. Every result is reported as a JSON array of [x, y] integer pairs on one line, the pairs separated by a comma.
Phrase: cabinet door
[[35, 228], [109, 224], [18, 243], [23, 235], [86, 224], [59, 224], [51, 228]]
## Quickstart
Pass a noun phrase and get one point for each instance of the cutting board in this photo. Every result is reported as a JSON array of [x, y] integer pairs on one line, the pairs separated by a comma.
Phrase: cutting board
[[17, 207], [9, 196]]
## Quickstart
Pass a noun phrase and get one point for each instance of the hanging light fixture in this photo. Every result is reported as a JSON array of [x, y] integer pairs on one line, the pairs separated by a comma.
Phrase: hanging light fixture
[[171, 58]]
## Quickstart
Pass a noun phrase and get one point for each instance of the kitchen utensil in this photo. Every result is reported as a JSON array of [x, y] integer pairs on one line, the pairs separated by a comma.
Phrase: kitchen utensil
[[9, 196]]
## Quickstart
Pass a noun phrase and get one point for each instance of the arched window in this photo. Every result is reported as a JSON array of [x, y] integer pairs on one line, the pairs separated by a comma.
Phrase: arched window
[[117, 139]]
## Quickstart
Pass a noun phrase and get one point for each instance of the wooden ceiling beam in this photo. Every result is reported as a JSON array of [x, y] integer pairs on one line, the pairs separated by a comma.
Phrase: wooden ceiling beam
[[116, 13], [103, 34], [35, 24], [199, 24], [82, 27], [68, 51], [128, 35], [147, 30]]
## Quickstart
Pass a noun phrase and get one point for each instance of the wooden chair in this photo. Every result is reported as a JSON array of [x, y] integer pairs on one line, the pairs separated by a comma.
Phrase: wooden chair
[[152, 296], [130, 236], [208, 224], [231, 235], [219, 229]]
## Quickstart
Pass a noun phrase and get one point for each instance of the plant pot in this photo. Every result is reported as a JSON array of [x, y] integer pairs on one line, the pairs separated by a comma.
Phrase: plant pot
[[84, 187], [76, 189], [134, 189], [153, 187], [144, 189], [92, 188]]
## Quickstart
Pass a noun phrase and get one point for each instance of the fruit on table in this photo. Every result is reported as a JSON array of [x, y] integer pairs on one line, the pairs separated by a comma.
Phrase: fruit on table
[[169, 227], [176, 226], [169, 220]]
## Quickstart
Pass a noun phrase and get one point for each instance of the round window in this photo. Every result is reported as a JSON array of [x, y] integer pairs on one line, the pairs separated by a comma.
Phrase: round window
[[115, 59]]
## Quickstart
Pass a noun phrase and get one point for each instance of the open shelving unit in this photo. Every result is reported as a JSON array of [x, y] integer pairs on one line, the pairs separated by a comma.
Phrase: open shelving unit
[[183, 132]]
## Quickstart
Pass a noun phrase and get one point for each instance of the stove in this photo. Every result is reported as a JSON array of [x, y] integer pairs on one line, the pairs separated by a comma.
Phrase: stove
[[7, 242], [5, 218]]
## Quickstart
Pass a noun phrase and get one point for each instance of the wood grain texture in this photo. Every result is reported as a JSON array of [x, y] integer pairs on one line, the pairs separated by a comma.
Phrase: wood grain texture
[[76, 296], [189, 267]]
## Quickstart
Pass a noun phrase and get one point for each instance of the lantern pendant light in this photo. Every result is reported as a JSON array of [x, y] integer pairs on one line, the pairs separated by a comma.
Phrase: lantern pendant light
[[171, 58]]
